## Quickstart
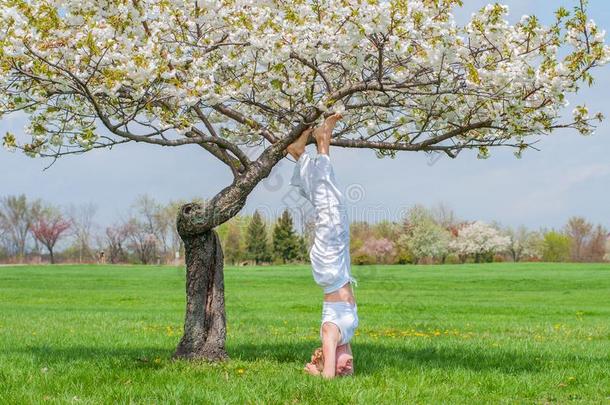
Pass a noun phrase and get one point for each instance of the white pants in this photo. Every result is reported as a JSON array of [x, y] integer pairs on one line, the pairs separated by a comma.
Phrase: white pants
[[342, 314], [330, 260]]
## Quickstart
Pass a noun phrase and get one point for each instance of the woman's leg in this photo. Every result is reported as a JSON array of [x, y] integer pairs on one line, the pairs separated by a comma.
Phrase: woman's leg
[[330, 251]]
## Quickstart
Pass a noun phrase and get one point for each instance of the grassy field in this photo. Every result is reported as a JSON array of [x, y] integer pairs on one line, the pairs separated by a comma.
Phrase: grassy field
[[497, 333]]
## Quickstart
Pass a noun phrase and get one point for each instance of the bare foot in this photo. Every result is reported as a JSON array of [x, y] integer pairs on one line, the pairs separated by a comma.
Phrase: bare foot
[[323, 132], [297, 148]]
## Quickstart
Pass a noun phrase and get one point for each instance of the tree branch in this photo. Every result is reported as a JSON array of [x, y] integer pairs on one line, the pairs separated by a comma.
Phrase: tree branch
[[313, 67], [236, 165], [242, 119], [404, 146]]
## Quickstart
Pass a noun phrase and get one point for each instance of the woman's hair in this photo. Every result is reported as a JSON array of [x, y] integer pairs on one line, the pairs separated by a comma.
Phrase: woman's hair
[[318, 359]]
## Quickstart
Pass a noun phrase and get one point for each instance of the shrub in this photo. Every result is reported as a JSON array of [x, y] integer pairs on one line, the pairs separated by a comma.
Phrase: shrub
[[404, 257], [556, 247], [452, 259], [363, 259], [498, 259], [380, 250]]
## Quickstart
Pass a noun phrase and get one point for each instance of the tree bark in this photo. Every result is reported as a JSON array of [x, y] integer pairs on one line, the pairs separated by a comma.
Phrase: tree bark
[[205, 323]]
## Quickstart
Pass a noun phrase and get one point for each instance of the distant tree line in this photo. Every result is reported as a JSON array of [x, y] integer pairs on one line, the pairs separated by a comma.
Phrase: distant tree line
[[34, 231], [251, 240], [436, 235]]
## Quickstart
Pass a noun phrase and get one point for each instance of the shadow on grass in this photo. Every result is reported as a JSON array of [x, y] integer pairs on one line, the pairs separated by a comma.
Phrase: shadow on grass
[[370, 357], [128, 357]]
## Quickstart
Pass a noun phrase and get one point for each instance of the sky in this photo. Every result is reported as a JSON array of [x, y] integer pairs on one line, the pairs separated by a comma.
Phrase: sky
[[569, 176]]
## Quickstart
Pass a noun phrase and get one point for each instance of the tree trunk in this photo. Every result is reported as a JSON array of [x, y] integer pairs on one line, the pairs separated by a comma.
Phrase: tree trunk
[[51, 256], [205, 322]]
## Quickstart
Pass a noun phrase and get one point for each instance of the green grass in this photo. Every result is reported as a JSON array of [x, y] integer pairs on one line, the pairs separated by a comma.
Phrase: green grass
[[497, 333]]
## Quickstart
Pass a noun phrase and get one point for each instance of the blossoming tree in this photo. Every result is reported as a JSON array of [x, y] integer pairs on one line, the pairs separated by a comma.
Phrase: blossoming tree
[[479, 239], [423, 236], [379, 249], [243, 78], [49, 229]]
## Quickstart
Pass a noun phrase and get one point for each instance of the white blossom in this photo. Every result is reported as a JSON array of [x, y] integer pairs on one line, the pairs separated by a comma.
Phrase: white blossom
[[479, 238]]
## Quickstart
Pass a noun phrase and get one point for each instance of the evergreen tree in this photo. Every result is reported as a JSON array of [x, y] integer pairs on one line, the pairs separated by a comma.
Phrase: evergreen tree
[[303, 249], [257, 248], [233, 249], [285, 240]]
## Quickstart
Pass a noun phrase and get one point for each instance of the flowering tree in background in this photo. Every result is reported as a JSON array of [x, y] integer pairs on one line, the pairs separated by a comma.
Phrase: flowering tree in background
[[479, 239], [381, 249], [235, 75], [423, 237], [523, 243], [49, 228]]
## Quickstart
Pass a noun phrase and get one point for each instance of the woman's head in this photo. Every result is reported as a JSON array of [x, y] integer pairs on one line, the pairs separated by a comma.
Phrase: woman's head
[[344, 360]]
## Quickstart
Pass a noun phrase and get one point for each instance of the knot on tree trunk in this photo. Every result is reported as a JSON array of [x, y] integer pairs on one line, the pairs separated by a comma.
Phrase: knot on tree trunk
[[193, 219], [198, 218]]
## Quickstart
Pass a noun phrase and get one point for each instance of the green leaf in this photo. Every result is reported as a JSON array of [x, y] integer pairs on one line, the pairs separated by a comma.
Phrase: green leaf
[[277, 84], [9, 141]]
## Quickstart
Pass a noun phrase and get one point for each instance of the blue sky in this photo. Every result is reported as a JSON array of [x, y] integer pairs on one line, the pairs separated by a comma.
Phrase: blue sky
[[570, 176]]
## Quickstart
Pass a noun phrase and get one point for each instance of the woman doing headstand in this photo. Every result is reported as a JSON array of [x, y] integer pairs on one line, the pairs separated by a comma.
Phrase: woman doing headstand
[[330, 260]]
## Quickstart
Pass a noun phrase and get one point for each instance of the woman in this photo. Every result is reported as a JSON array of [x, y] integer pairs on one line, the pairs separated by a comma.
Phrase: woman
[[329, 254]]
